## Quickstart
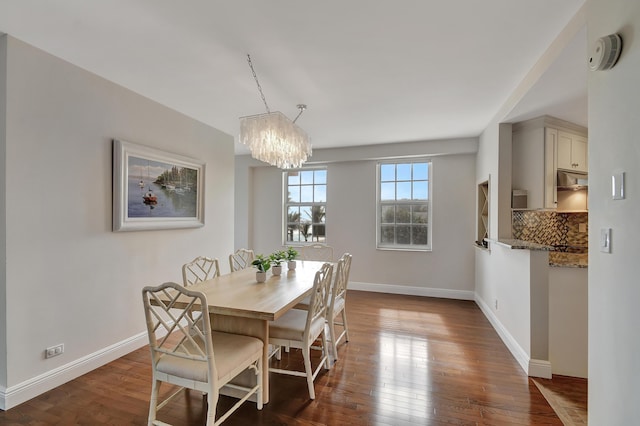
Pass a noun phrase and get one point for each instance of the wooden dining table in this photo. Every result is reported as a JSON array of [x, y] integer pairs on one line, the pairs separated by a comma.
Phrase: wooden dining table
[[239, 304]]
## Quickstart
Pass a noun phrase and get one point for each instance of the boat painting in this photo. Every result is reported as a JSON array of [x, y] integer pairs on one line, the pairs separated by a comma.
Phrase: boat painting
[[154, 189], [150, 198], [163, 193]]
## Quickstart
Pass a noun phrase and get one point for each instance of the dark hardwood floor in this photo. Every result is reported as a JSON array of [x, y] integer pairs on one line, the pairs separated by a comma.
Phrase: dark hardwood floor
[[410, 360]]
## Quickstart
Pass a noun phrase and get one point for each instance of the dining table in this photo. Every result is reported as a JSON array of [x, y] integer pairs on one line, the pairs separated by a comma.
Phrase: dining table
[[241, 305]]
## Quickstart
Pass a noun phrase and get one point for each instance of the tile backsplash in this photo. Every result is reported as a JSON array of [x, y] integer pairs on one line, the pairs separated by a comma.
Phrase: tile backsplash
[[553, 228], [550, 227]]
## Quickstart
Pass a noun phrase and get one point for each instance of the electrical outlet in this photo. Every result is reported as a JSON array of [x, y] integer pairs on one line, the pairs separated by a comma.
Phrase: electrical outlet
[[52, 351], [582, 227]]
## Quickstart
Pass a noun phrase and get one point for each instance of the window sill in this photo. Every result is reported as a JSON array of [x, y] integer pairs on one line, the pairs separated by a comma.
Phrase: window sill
[[404, 249]]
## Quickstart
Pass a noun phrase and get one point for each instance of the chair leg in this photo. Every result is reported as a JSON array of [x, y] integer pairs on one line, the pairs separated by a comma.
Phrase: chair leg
[[212, 402], [325, 349], [153, 403], [334, 344], [306, 354], [344, 324]]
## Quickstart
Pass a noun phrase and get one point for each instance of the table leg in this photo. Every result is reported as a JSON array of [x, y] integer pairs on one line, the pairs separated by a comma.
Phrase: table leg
[[248, 327]]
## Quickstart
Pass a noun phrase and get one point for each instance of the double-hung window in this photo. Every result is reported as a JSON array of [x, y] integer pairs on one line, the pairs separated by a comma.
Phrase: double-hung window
[[404, 205], [305, 206]]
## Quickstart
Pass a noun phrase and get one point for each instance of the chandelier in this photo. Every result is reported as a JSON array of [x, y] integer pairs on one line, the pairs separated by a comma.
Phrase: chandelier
[[272, 137]]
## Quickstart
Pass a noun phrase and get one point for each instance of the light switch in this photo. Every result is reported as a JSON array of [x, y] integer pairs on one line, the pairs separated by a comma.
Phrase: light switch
[[617, 186], [605, 240]]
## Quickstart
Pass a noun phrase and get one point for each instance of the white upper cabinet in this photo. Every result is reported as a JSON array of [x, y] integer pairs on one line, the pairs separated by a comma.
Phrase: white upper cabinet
[[550, 168], [540, 147], [534, 165], [572, 152]]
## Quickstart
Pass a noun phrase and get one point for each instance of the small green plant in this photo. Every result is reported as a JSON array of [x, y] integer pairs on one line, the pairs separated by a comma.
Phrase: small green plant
[[262, 263], [277, 257], [291, 253]]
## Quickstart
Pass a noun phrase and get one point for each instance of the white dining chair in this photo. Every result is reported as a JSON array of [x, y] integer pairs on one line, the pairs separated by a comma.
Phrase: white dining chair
[[241, 259], [186, 353], [320, 252], [337, 303], [336, 306], [301, 328], [200, 269]]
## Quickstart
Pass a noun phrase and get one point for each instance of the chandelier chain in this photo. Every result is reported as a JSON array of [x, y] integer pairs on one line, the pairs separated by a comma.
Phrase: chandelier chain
[[301, 107], [255, 77]]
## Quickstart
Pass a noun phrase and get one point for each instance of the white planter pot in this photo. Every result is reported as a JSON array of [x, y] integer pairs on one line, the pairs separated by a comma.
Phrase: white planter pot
[[261, 276], [277, 270], [291, 265]]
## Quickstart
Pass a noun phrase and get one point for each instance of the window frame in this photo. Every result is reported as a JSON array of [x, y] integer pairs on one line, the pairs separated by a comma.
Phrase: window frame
[[286, 204], [428, 203]]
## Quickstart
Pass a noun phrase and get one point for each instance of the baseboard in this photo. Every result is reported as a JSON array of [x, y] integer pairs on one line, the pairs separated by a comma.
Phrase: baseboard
[[514, 347], [413, 291], [15, 395], [540, 368]]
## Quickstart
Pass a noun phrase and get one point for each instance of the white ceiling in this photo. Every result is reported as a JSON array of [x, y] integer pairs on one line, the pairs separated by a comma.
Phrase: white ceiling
[[370, 71]]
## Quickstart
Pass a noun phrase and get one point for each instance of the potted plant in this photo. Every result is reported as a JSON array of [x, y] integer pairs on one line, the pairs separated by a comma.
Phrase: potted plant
[[263, 264], [291, 255], [277, 258]]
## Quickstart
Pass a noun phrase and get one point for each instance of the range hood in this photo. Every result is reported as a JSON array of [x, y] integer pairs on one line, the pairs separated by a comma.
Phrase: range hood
[[572, 180]]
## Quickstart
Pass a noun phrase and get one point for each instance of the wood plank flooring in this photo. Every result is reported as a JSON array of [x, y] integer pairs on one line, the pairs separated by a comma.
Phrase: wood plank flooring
[[568, 398], [410, 361]]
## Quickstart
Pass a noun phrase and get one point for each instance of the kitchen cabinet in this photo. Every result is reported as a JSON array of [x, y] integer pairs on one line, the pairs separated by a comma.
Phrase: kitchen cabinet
[[572, 152], [534, 164], [538, 147]]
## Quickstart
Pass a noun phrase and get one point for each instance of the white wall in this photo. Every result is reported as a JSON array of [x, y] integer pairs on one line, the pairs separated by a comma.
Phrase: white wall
[[515, 299], [3, 225], [493, 163], [488, 268], [568, 321], [243, 200], [266, 215], [69, 279], [494, 160], [351, 206], [614, 287]]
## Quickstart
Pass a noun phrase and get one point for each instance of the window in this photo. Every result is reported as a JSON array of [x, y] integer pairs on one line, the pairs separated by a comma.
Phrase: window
[[404, 213], [305, 206]]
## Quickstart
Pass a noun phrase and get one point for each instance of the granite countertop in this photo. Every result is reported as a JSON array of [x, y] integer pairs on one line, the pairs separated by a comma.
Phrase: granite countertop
[[557, 257], [521, 245], [569, 260]]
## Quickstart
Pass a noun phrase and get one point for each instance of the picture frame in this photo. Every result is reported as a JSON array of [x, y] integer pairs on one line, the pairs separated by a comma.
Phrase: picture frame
[[154, 189]]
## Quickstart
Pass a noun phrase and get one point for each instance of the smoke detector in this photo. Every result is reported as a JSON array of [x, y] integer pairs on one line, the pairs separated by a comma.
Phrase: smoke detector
[[606, 52]]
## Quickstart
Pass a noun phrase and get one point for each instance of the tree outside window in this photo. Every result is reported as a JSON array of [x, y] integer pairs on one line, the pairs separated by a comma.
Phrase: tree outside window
[[404, 204], [305, 206]]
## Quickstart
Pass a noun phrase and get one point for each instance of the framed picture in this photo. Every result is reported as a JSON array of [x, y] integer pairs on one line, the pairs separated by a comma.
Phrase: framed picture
[[153, 189]]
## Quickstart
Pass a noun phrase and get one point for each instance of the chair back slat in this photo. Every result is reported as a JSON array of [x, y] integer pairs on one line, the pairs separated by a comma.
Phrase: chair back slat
[[342, 275], [319, 294], [341, 280], [319, 252], [200, 269], [241, 259], [170, 324]]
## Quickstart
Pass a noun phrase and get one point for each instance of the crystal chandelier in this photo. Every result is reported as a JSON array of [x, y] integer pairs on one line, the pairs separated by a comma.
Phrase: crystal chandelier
[[272, 137]]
